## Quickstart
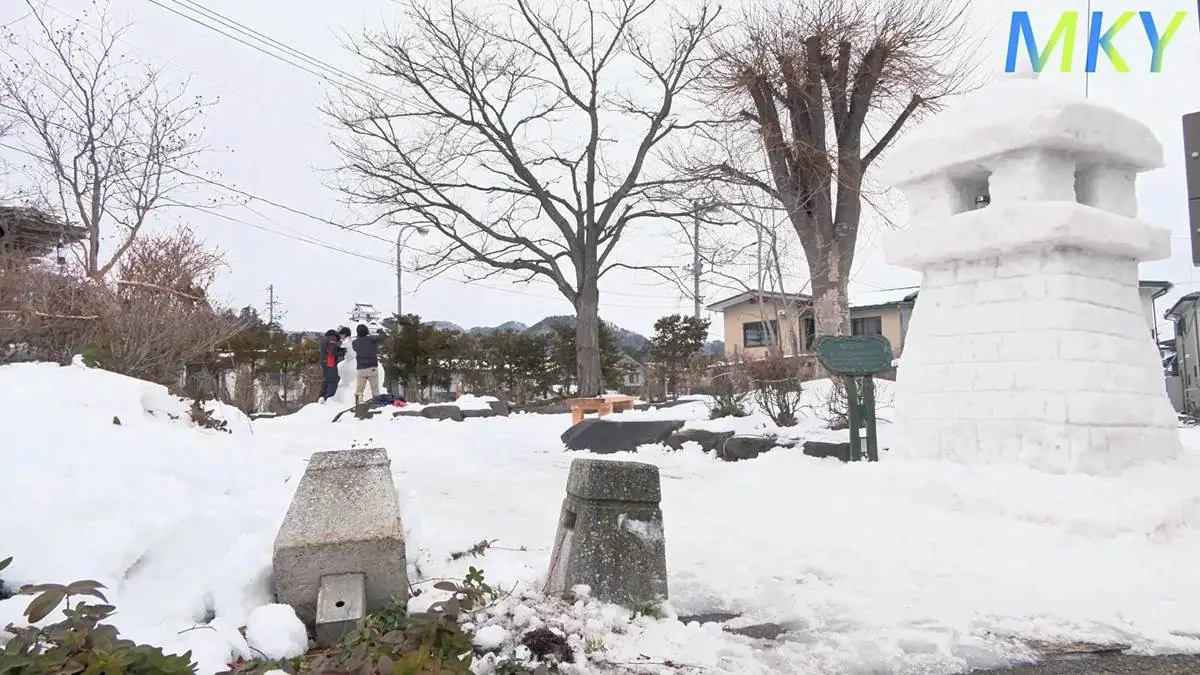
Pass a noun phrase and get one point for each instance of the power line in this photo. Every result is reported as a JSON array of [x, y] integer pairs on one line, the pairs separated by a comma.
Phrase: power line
[[332, 74], [264, 44]]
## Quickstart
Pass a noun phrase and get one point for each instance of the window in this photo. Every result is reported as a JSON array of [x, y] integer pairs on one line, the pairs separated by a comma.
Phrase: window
[[867, 325], [760, 333], [810, 333]]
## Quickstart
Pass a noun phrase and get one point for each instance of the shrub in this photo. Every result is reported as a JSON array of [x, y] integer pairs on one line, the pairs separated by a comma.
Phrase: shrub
[[729, 391], [834, 411], [776, 382], [81, 642], [149, 321]]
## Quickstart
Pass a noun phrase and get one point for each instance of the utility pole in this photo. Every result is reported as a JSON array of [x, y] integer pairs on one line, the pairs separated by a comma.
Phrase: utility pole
[[698, 207], [1191, 170], [696, 262], [271, 303]]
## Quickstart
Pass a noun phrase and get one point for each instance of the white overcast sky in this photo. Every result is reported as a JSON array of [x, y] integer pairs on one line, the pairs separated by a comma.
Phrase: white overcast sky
[[270, 140]]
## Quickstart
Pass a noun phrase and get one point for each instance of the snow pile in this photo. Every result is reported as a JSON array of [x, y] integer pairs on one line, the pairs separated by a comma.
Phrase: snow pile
[[105, 478], [275, 632], [473, 402], [911, 566]]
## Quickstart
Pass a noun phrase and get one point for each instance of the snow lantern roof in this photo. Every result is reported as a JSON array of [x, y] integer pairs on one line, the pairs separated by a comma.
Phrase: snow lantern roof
[[1017, 113]]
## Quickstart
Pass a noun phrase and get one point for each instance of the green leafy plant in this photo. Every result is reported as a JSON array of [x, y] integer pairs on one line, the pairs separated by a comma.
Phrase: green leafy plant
[[81, 642], [393, 642]]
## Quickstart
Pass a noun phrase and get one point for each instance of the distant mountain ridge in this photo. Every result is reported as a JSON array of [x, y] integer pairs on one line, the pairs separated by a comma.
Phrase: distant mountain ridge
[[630, 342]]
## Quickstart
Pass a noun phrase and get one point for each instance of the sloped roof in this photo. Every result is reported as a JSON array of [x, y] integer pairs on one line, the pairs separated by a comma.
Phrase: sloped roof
[[746, 296], [35, 232]]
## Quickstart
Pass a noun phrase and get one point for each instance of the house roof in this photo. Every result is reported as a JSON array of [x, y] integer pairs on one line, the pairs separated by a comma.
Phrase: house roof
[[882, 299], [35, 232], [1162, 287], [898, 296], [748, 296], [1185, 301]]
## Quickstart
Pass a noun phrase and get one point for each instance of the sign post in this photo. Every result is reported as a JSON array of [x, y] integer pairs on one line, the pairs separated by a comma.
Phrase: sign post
[[857, 359]]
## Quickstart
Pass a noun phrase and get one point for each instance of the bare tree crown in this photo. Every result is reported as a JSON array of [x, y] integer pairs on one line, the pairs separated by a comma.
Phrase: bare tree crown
[[805, 79], [499, 129], [111, 143]]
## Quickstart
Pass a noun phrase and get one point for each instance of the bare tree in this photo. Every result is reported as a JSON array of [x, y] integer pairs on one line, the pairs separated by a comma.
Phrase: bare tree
[[802, 70], [149, 322], [499, 130], [111, 143], [747, 246]]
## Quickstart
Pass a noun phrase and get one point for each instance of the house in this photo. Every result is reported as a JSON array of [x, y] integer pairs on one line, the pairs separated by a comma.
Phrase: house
[[633, 373], [755, 321], [34, 234], [1183, 369]]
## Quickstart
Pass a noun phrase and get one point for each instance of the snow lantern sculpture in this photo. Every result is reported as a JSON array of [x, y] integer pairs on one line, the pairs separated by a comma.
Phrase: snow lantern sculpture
[[1028, 342]]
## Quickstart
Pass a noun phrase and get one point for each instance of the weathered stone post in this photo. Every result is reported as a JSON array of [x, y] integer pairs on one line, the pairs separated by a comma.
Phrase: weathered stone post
[[339, 553], [1028, 343], [610, 534]]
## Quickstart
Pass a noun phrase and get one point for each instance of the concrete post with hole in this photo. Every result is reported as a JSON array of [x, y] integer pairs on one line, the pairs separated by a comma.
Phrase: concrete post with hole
[[610, 534], [339, 553], [1027, 342]]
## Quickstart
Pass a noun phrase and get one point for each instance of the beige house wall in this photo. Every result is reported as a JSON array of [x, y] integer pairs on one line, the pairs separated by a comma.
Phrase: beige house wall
[[893, 330], [790, 326], [750, 312]]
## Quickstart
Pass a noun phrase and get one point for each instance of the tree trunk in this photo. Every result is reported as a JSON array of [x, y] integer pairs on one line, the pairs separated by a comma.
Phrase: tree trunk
[[587, 340], [93, 253], [830, 287]]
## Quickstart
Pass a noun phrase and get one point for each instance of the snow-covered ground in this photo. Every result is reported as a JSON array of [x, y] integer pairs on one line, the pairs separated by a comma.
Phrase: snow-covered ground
[[902, 566]]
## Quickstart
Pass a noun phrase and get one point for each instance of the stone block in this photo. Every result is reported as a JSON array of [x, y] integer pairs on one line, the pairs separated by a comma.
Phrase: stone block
[[499, 407], [470, 414], [708, 440], [605, 437], [343, 519], [823, 449], [341, 604], [610, 534], [738, 448], [443, 412]]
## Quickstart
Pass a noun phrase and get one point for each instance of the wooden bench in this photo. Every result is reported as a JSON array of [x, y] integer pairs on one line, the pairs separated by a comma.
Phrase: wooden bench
[[601, 405]]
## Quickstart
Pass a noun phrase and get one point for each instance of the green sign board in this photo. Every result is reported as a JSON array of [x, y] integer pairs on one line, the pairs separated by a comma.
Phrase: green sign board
[[855, 354]]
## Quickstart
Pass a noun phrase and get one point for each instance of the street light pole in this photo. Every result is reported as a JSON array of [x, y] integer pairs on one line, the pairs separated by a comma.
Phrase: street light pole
[[400, 239]]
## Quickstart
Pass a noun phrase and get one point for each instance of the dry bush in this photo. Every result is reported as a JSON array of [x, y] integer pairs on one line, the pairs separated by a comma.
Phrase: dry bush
[[654, 383], [45, 314], [731, 387], [149, 323], [245, 388], [776, 384], [834, 410]]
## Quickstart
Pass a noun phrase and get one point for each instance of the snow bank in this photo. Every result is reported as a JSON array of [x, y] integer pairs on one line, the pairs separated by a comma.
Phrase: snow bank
[[902, 566], [105, 478], [473, 402]]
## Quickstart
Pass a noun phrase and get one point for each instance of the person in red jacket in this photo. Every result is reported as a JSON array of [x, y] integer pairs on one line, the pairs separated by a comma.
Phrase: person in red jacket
[[331, 352]]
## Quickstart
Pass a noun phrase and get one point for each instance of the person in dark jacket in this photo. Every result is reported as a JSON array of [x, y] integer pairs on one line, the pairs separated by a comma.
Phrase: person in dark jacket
[[331, 350], [366, 356]]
